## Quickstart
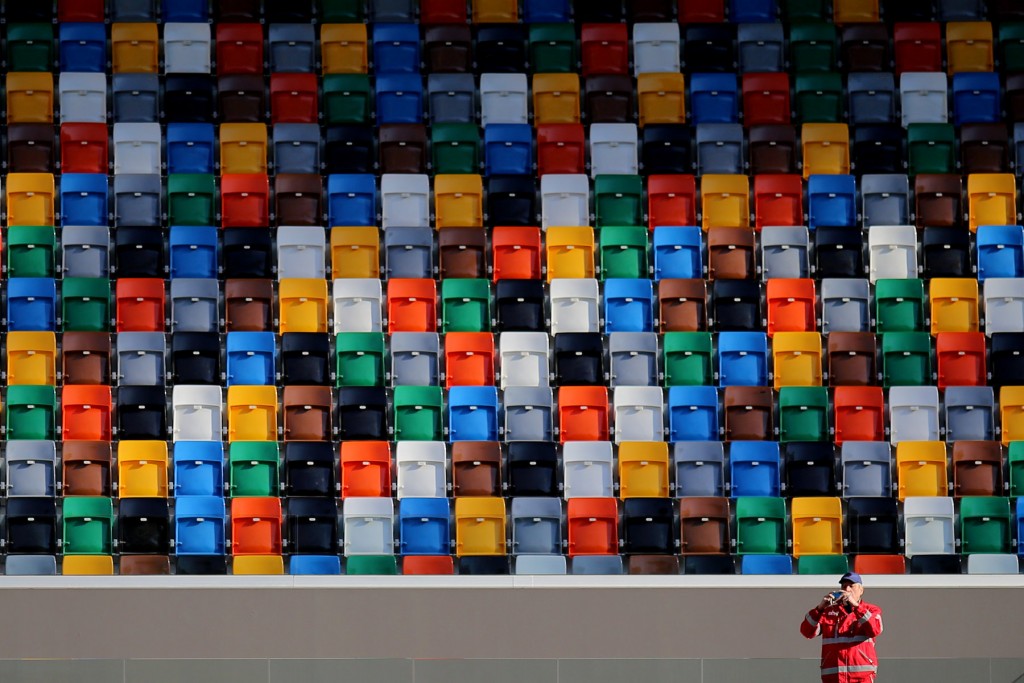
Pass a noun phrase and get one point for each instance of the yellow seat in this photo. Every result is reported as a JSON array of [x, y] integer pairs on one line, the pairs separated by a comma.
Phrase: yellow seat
[[344, 48], [252, 413], [556, 98], [135, 48], [30, 199], [142, 469], [991, 199], [797, 359], [303, 304], [826, 149], [459, 200], [570, 252], [243, 148], [661, 98], [954, 304], [31, 358], [1011, 414], [921, 469], [817, 526], [250, 565], [643, 469], [355, 252], [725, 201], [479, 526], [29, 97], [969, 46], [495, 11], [88, 565], [854, 11]]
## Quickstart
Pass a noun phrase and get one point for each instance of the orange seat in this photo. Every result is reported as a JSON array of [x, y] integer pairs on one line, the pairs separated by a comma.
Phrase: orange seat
[[517, 253], [671, 200], [365, 469], [859, 414], [85, 412], [256, 526], [583, 414], [778, 200], [412, 305], [245, 200], [140, 305], [593, 526], [791, 305], [961, 359], [469, 357]]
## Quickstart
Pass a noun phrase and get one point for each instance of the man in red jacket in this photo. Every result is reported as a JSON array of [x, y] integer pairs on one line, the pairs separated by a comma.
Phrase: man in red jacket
[[848, 627]]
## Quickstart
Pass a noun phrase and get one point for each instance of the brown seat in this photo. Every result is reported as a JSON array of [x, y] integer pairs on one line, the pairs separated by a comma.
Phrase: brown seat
[[748, 413], [448, 48], [249, 305], [653, 564], [476, 468], [307, 413], [851, 359], [704, 525], [608, 98], [30, 148], [86, 470], [241, 98], [650, 10], [731, 253], [938, 200], [977, 468], [1014, 98], [298, 197], [683, 305], [865, 47], [237, 10], [463, 252], [145, 565], [403, 148], [984, 148], [86, 358], [773, 149]]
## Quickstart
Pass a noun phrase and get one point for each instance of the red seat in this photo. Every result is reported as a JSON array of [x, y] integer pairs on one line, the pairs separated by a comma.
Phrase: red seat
[[790, 305], [412, 305], [443, 12], [83, 148], [859, 414], [517, 253], [88, 11], [583, 414], [765, 99], [140, 305], [85, 412], [293, 98], [671, 200], [428, 564], [560, 148], [778, 199], [256, 526], [593, 526], [961, 359], [917, 47], [239, 49], [605, 49], [880, 564], [701, 11], [365, 469], [245, 200], [469, 358]]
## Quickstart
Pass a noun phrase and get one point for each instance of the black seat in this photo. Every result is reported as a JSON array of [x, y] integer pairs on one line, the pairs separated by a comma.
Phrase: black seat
[[31, 525], [248, 253], [935, 564], [667, 148], [195, 357], [139, 252], [349, 149], [313, 526], [500, 48], [709, 564], [647, 526], [810, 468], [878, 149], [947, 252], [188, 98], [520, 306], [579, 359], [598, 12], [1007, 361], [736, 305], [838, 251], [142, 413], [511, 200], [709, 48], [305, 358], [484, 564], [143, 526], [532, 469], [202, 564], [362, 412], [309, 468], [874, 525]]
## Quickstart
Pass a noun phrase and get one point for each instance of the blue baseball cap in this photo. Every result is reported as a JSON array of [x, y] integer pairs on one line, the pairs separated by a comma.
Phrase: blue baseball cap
[[853, 577]]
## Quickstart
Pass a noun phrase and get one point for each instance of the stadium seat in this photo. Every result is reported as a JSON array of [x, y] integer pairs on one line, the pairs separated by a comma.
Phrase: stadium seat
[[760, 525], [592, 526], [748, 413], [134, 46], [86, 358], [817, 526]]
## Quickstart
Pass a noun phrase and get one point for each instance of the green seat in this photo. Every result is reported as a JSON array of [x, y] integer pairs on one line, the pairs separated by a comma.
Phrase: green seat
[[31, 250], [623, 251], [1015, 461], [253, 469], [30, 47], [455, 147], [803, 414], [803, 10], [347, 99], [618, 200], [340, 11], [819, 97], [760, 525], [552, 48], [418, 413], [812, 46], [88, 525], [360, 359], [191, 199], [931, 148], [1011, 46], [985, 524], [823, 564], [31, 411], [371, 565], [899, 305], [906, 359], [85, 304], [465, 305], [688, 359]]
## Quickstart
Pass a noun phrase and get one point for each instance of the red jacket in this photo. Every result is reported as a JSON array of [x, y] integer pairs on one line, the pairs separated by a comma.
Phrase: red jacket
[[847, 641]]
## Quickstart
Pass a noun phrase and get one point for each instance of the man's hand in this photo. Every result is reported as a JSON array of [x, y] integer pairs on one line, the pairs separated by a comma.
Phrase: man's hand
[[852, 594], [826, 602]]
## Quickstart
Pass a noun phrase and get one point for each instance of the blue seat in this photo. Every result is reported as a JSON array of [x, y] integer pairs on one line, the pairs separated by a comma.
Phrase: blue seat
[[423, 526], [693, 414], [351, 199], [396, 49], [399, 98], [190, 147], [193, 251], [831, 200], [83, 47], [1019, 523], [198, 468], [319, 565], [742, 359], [508, 149], [752, 11], [597, 565], [185, 11], [754, 468], [199, 525], [473, 414], [628, 305], [677, 252], [714, 98], [251, 358], [31, 304], [976, 98], [766, 564], [83, 199], [1000, 251], [546, 11]]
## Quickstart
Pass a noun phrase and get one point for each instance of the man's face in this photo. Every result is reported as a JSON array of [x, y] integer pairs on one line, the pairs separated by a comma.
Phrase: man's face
[[854, 590]]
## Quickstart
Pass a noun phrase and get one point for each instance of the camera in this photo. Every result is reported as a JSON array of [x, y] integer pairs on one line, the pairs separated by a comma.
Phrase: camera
[[836, 596]]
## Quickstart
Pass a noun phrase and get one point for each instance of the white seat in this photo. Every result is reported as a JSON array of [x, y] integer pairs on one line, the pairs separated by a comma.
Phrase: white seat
[[358, 303], [137, 148], [587, 469], [639, 414], [187, 48], [614, 149], [504, 98], [574, 305], [1004, 305], [524, 359], [197, 413], [421, 468], [929, 525], [301, 251], [990, 564], [656, 48], [785, 251], [405, 200], [892, 251], [83, 97], [913, 414], [550, 565], [564, 199], [923, 97], [369, 526]]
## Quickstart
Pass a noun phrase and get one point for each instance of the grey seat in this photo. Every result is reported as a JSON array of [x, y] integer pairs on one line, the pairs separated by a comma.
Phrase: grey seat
[[137, 200], [885, 199], [587, 469], [415, 358], [30, 468], [785, 251], [536, 526], [292, 48], [136, 97], [296, 147], [452, 98], [970, 414], [1018, 147], [761, 47], [720, 148], [369, 526], [301, 251], [872, 98], [528, 414], [866, 468], [845, 305], [634, 358], [960, 10], [699, 468], [392, 10], [133, 10], [551, 565], [141, 359], [85, 251], [601, 565], [83, 97], [913, 414], [409, 252], [31, 565], [978, 563], [195, 305]]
